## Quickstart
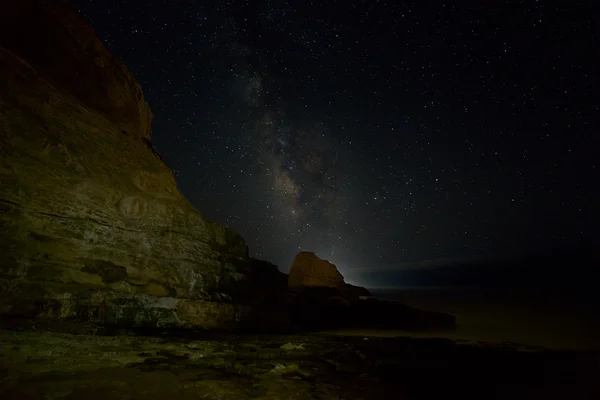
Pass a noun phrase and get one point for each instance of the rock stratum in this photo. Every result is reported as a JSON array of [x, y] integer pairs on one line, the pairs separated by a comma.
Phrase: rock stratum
[[92, 225]]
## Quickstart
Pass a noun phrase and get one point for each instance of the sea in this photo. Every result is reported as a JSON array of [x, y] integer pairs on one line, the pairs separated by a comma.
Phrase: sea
[[530, 317]]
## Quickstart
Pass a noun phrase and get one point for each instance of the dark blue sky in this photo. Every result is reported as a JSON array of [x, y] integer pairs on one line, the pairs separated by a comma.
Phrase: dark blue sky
[[372, 132]]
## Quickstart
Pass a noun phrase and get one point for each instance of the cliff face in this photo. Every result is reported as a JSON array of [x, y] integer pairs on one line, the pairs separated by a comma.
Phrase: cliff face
[[92, 225]]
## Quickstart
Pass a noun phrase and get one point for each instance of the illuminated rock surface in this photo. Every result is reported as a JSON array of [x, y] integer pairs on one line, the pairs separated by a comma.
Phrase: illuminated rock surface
[[92, 226]]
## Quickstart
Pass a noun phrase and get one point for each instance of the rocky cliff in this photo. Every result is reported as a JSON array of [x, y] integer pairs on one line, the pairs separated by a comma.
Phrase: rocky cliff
[[92, 226]]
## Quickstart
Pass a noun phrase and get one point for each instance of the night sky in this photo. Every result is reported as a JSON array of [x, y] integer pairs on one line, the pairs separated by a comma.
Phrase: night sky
[[373, 132]]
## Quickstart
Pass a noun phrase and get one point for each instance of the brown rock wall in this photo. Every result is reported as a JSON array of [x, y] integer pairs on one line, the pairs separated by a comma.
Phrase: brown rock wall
[[87, 208]]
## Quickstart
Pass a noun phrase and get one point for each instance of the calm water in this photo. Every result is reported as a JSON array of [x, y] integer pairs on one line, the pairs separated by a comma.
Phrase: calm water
[[530, 317]]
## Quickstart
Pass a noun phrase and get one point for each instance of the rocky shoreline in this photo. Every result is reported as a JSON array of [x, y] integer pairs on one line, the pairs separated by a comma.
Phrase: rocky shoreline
[[131, 365]]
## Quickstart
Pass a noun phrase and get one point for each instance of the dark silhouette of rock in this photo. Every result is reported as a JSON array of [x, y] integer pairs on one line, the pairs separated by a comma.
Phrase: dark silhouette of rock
[[318, 308], [265, 290], [264, 283], [318, 298], [92, 226], [357, 291], [376, 314]]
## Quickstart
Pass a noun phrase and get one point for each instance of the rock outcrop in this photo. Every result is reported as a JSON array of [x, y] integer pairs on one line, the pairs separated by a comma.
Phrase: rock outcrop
[[92, 226], [309, 272]]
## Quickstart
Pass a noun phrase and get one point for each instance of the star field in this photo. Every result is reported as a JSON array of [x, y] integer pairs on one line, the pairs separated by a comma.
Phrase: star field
[[372, 132]]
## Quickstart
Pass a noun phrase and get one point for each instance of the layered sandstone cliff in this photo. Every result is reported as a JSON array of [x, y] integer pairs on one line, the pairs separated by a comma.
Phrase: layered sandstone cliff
[[92, 226]]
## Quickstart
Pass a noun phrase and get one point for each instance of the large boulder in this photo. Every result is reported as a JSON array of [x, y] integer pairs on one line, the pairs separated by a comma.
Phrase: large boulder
[[92, 225], [308, 273], [310, 270]]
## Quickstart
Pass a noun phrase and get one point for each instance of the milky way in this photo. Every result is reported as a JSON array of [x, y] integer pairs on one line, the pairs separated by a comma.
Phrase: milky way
[[372, 133], [300, 163]]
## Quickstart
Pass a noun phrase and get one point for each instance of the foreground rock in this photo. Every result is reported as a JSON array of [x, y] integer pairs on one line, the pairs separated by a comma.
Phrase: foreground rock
[[92, 226], [46, 365]]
